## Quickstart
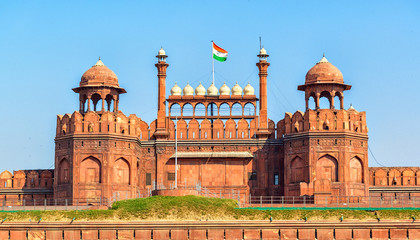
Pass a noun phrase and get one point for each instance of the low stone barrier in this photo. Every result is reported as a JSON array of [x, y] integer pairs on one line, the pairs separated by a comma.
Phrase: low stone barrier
[[189, 230]]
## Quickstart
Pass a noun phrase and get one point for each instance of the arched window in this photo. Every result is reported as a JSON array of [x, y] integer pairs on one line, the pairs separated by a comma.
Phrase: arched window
[[83, 103], [121, 171], [327, 168], [200, 109], [175, 110], [224, 110], [212, 109], [311, 102], [324, 100], [249, 109], [95, 99], [109, 102], [337, 101], [187, 110], [236, 109], [90, 171]]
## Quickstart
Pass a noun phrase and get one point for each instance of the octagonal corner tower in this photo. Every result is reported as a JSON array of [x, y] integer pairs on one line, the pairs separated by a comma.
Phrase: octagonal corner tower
[[326, 150], [95, 155]]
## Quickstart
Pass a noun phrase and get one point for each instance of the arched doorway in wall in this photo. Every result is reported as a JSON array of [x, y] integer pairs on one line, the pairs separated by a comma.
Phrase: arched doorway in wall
[[90, 171], [327, 168], [356, 170], [121, 171]]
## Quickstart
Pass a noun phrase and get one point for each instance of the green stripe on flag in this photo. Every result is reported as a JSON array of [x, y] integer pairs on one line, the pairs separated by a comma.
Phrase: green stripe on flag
[[221, 59]]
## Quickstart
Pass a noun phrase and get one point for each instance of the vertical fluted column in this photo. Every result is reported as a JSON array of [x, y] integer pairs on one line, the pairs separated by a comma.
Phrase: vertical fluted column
[[263, 66], [161, 66]]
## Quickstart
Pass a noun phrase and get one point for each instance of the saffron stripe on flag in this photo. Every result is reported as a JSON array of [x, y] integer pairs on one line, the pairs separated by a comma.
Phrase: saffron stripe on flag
[[217, 48]]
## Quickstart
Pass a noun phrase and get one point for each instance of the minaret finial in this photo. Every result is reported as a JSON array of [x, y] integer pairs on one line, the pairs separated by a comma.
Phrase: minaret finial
[[323, 54]]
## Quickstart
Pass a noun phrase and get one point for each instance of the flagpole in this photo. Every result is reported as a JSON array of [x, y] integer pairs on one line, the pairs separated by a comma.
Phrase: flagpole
[[176, 152], [212, 58]]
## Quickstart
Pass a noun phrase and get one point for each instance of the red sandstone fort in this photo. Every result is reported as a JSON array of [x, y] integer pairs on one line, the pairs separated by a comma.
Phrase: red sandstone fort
[[225, 143]]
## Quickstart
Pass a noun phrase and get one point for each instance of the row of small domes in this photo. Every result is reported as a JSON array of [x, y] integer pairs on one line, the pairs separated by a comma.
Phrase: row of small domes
[[212, 90]]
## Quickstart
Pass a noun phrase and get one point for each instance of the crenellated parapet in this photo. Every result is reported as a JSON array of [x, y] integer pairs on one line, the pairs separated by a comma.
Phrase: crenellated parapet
[[394, 176], [323, 120], [105, 123], [27, 179]]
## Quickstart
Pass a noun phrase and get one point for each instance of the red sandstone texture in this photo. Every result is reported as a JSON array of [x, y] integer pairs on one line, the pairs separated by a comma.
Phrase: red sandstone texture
[[225, 143]]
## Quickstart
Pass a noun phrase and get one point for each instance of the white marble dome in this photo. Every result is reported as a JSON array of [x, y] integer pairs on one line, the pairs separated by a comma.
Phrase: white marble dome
[[212, 90], [176, 90], [161, 52], [236, 90], [224, 90], [263, 51], [248, 90], [200, 90], [188, 90]]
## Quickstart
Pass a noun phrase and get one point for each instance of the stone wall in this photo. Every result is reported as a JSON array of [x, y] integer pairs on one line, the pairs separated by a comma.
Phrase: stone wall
[[212, 230]]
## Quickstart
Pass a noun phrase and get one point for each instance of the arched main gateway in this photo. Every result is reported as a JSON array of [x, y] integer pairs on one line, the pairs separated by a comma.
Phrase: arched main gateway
[[226, 144]]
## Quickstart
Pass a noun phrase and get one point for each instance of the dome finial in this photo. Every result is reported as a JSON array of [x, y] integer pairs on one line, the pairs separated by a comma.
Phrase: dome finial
[[323, 59], [99, 62]]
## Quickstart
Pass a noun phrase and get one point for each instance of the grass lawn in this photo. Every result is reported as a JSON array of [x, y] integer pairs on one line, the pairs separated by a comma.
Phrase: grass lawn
[[202, 208]]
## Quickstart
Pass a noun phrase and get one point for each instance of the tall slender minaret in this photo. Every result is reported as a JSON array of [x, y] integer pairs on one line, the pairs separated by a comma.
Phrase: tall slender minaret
[[262, 67], [161, 129]]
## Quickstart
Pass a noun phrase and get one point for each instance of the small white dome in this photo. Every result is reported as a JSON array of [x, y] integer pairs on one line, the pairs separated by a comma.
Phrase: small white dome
[[224, 89], [200, 90], [248, 90], [176, 90], [263, 51], [161, 52], [212, 90], [188, 90], [351, 108], [236, 90]]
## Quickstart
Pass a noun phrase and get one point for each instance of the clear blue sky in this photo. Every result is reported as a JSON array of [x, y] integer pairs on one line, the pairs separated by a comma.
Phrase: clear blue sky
[[46, 46]]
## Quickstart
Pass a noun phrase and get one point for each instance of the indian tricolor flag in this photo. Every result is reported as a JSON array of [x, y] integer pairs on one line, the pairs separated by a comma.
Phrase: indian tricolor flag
[[219, 53]]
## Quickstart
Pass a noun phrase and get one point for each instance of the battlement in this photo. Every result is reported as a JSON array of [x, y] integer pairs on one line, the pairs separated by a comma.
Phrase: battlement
[[394, 176], [107, 123], [323, 120], [27, 179]]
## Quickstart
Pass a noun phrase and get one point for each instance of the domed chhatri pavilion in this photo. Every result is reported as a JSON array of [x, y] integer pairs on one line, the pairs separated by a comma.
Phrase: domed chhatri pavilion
[[218, 140]]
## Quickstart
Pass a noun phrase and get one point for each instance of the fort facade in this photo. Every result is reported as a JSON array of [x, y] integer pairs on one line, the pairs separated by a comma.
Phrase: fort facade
[[221, 139]]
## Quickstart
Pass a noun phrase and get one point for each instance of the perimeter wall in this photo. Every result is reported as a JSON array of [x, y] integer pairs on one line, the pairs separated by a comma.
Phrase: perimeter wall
[[212, 230]]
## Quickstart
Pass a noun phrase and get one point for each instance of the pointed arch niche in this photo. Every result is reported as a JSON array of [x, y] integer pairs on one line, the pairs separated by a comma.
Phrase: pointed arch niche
[[298, 170], [121, 171], [90, 171], [356, 170], [327, 168], [64, 171]]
